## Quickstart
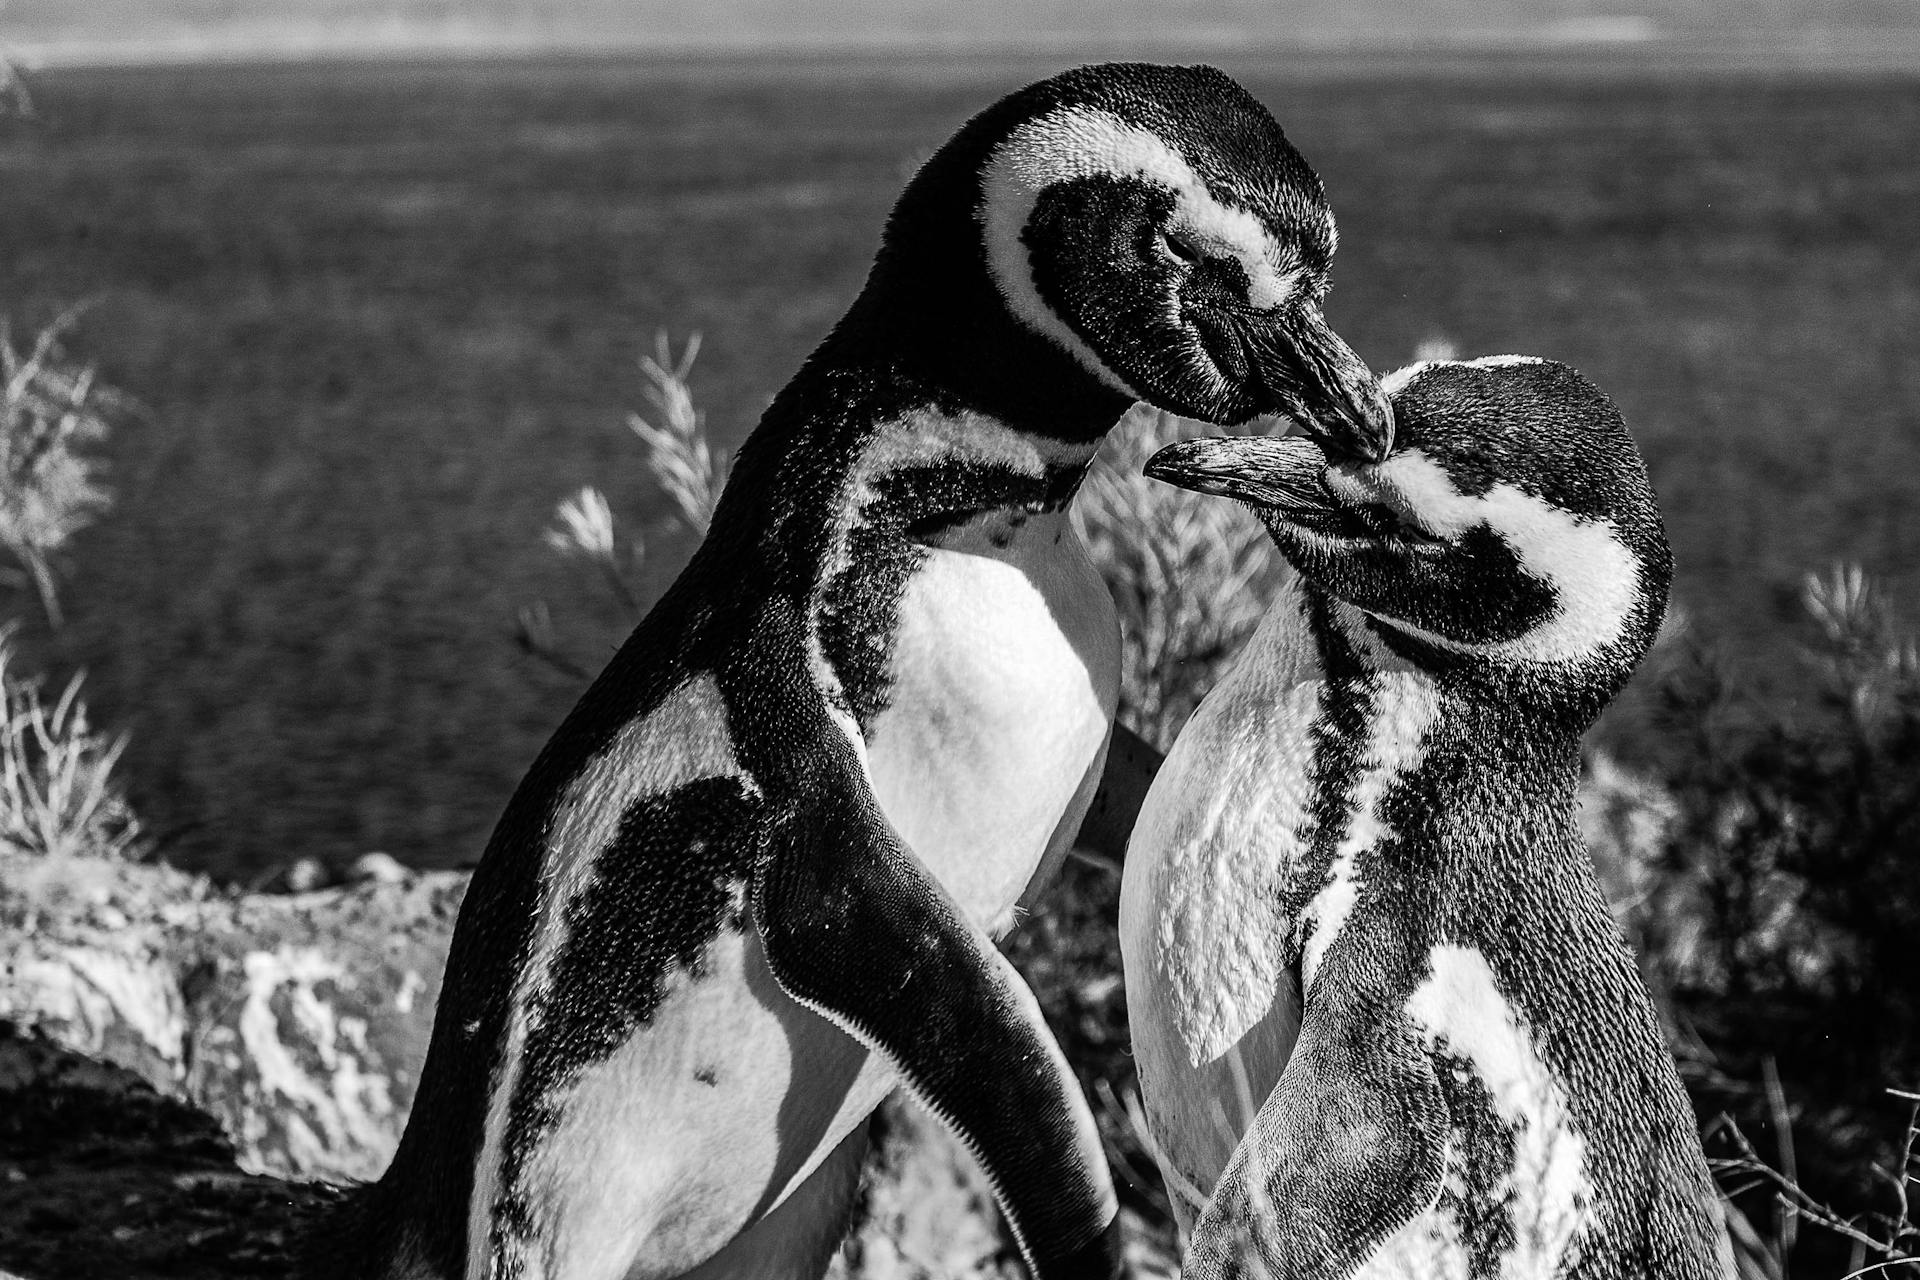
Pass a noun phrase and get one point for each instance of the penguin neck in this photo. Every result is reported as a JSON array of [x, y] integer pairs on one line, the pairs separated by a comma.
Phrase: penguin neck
[[860, 466], [1480, 737], [879, 414], [931, 310], [1417, 777]]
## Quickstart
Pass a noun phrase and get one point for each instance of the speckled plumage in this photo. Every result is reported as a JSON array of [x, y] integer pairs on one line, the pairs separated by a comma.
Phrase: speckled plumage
[[1385, 1025], [750, 885]]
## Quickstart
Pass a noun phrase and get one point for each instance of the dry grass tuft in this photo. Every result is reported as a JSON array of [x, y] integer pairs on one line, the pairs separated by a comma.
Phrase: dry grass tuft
[[690, 470], [58, 797], [52, 414]]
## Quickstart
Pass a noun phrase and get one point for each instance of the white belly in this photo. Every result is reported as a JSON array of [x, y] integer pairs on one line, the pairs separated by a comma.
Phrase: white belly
[[688, 1133], [1006, 669]]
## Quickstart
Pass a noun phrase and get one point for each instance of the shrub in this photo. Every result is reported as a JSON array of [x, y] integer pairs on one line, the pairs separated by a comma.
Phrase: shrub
[[53, 416], [1190, 575], [1785, 900], [58, 796]]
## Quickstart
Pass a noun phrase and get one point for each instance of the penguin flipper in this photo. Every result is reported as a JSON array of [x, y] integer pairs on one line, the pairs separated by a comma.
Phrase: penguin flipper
[[1349, 1147], [857, 929]]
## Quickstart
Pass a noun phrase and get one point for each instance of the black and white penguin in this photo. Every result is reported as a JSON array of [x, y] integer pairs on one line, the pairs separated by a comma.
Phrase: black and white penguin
[[1384, 1024], [751, 884]]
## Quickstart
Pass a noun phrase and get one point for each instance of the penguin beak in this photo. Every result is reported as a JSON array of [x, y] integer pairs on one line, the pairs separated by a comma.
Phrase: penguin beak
[[1301, 368], [1282, 474]]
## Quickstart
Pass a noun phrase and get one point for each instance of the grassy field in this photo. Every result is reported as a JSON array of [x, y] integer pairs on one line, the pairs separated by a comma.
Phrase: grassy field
[[384, 317]]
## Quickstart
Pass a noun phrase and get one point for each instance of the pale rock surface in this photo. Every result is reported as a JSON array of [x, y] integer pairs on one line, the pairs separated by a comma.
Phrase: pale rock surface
[[182, 1069]]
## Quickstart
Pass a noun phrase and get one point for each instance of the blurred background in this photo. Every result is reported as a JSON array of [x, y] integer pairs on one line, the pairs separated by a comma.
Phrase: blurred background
[[377, 274], [371, 281]]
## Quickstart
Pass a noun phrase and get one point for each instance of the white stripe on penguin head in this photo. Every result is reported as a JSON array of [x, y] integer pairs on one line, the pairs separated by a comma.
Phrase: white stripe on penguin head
[[1594, 576], [1080, 142]]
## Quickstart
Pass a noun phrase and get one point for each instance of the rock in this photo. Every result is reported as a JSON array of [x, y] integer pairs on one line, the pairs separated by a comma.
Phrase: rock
[[298, 1021], [103, 1175], [304, 875], [382, 868], [198, 1064]]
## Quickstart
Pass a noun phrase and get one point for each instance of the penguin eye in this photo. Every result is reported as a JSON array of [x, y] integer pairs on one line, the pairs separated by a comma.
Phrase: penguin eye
[[1177, 249], [1384, 521], [1379, 517]]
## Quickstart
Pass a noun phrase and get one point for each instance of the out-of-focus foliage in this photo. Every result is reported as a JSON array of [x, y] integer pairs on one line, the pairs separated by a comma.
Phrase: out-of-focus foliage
[[58, 793], [53, 416], [1190, 575], [689, 469], [1783, 903]]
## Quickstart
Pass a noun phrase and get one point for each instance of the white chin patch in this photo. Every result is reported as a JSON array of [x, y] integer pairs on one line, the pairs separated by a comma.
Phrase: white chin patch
[[1079, 142], [1595, 578]]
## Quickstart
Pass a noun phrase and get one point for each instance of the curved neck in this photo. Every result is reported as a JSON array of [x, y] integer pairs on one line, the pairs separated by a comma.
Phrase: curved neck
[[1477, 776], [865, 440]]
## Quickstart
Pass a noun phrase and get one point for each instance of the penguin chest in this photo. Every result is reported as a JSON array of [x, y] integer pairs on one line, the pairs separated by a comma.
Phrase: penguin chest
[[1003, 674]]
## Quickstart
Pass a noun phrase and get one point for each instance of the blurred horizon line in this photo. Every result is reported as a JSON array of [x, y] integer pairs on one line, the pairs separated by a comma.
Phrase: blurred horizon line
[[1621, 41]]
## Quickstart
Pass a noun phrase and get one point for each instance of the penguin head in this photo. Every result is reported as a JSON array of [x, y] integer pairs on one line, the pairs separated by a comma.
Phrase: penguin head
[[1154, 230], [1511, 528]]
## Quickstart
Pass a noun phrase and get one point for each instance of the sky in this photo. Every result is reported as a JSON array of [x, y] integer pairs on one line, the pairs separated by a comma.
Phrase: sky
[[83, 30]]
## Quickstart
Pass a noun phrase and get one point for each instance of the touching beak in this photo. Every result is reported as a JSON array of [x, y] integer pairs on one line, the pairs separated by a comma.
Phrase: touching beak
[[1279, 473], [1306, 372]]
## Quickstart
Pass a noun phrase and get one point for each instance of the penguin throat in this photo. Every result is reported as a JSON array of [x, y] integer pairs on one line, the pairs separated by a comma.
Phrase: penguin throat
[[1418, 772], [919, 482]]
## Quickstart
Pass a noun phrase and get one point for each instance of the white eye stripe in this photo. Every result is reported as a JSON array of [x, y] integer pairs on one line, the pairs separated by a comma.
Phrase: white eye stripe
[[1502, 362], [1392, 384], [1594, 576], [1414, 486], [1080, 143]]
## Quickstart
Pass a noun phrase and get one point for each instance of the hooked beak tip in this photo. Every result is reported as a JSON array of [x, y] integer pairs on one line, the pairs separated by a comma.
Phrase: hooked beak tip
[[1170, 470], [1361, 427], [1331, 392], [1192, 464]]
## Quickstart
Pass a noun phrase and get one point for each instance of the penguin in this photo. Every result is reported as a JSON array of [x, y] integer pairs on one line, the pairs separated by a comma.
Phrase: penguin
[[1384, 1024], [752, 883]]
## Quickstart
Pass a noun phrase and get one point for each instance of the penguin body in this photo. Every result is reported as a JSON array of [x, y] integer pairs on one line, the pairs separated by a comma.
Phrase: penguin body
[[751, 884], [1384, 1023]]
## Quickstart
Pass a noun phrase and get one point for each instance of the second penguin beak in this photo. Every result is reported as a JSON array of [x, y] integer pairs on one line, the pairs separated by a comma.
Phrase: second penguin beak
[[1277, 473]]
